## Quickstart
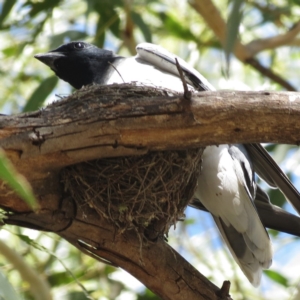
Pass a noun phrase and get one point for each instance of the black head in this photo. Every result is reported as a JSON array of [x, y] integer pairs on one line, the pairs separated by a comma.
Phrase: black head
[[79, 63]]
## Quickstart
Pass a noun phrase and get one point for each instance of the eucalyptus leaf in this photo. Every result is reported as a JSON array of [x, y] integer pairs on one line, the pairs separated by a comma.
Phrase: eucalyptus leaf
[[138, 20], [15, 180], [176, 28], [232, 31], [6, 8], [277, 277], [40, 6], [108, 19], [40, 94]]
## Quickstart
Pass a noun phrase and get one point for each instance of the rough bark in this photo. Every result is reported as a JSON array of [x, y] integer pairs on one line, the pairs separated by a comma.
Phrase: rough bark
[[122, 120]]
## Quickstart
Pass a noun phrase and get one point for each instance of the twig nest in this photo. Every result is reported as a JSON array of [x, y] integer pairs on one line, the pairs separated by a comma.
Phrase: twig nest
[[148, 193]]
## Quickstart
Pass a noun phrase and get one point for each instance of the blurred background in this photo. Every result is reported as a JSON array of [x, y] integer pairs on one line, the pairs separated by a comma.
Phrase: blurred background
[[202, 32]]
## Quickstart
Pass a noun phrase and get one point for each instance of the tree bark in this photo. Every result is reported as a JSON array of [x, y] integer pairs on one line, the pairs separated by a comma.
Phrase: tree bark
[[125, 120]]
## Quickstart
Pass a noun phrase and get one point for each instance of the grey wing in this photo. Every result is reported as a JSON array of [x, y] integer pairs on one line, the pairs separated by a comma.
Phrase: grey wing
[[268, 170], [242, 249], [164, 60], [240, 154], [271, 215], [226, 187]]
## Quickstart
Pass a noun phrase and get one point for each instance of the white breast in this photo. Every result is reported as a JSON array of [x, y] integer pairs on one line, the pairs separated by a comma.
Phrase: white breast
[[133, 69]]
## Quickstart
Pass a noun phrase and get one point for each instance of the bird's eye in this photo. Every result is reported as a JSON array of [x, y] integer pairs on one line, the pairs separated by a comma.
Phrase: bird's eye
[[78, 45]]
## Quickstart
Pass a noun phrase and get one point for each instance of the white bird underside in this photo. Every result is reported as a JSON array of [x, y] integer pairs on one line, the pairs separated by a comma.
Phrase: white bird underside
[[144, 73], [222, 188]]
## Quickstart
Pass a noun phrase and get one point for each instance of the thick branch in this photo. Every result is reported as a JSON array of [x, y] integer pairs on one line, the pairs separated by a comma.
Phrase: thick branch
[[122, 120]]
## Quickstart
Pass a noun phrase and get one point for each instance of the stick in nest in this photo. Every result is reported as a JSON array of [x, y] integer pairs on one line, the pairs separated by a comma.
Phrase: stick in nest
[[146, 193]]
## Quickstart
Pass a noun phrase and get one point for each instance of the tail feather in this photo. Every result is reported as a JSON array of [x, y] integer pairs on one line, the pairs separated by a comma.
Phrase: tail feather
[[238, 244]]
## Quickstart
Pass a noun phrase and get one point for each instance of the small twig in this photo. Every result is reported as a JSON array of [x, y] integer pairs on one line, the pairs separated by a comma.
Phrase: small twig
[[85, 247], [116, 71], [270, 74], [187, 94], [223, 293]]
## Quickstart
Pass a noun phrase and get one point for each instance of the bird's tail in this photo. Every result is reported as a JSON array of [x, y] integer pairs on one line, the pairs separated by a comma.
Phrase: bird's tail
[[248, 256]]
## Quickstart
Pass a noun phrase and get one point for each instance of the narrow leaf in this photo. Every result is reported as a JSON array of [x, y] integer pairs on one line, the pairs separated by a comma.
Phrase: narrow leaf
[[233, 25], [40, 94], [15, 180], [176, 28], [6, 8], [277, 277], [138, 20], [40, 6], [108, 19]]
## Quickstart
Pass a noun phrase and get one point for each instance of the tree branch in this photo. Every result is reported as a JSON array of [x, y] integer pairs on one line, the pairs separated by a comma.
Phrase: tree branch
[[127, 121], [259, 45], [124, 120], [245, 54]]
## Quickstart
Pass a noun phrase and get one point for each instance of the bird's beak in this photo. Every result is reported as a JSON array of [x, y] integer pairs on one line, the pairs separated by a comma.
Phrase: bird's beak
[[49, 58]]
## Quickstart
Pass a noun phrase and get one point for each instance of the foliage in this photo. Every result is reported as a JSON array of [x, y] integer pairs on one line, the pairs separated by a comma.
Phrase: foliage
[[29, 27], [16, 180]]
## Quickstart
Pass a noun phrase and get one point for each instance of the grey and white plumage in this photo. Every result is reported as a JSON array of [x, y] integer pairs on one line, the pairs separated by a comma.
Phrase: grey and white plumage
[[226, 185]]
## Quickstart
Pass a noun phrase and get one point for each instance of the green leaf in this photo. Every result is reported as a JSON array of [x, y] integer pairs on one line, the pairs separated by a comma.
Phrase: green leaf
[[190, 221], [40, 94], [37, 7], [15, 180], [73, 35], [277, 277], [9, 51], [7, 292], [272, 13], [175, 28], [6, 8], [147, 295], [273, 233], [60, 278], [232, 31], [276, 197], [138, 20], [26, 239], [108, 19], [297, 2], [271, 147]]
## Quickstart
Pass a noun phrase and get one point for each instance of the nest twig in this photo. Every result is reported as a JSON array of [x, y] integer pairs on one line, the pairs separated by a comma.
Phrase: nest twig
[[147, 193]]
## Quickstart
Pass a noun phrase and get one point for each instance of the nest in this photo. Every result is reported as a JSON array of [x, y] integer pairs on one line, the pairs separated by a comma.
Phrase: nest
[[147, 193]]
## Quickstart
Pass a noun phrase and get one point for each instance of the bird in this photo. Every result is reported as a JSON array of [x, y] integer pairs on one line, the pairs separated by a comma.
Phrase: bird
[[226, 186]]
